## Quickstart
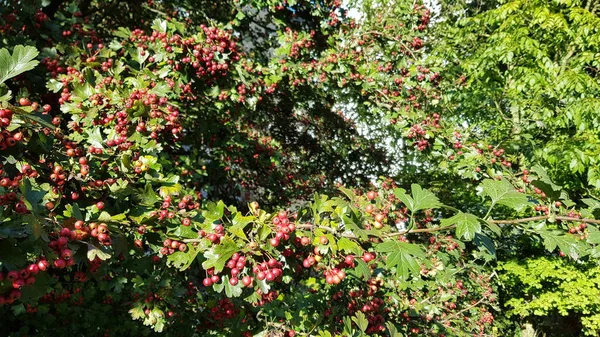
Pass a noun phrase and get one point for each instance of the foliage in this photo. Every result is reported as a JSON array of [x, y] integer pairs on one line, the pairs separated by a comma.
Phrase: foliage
[[544, 289], [200, 168], [533, 65]]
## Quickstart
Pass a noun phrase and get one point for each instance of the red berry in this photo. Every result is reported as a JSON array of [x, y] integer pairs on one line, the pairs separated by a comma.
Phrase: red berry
[[24, 101], [349, 260], [43, 265], [18, 283], [60, 264], [371, 195]]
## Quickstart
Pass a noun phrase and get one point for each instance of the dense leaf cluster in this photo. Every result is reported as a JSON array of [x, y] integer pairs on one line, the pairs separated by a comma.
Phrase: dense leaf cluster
[[199, 168]]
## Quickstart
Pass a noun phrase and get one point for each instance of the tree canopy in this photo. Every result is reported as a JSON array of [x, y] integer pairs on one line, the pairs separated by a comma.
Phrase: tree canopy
[[299, 168]]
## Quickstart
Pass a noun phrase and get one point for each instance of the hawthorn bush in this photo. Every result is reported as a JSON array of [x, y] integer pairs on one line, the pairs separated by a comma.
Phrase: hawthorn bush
[[266, 168]]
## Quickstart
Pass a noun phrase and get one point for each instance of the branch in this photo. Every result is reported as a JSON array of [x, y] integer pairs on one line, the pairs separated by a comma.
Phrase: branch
[[433, 229], [463, 310], [394, 39], [399, 233], [545, 217], [565, 60]]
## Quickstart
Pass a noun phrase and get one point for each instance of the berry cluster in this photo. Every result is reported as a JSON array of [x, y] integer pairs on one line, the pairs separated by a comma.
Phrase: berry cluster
[[236, 265], [283, 228], [8, 138], [224, 309], [20, 278], [418, 132], [59, 245], [334, 276], [265, 298], [215, 238], [99, 231], [171, 246], [269, 271]]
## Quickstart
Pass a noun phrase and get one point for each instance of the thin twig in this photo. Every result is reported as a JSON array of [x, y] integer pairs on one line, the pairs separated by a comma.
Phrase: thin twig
[[434, 229], [544, 217]]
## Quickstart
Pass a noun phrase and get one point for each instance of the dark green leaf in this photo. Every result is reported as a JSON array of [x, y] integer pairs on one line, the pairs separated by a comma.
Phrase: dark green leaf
[[467, 225], [503, 193], [19, 62]]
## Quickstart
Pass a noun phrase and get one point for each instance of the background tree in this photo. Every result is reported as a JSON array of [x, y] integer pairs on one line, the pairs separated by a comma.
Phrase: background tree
[[533, 67], [123, 145]]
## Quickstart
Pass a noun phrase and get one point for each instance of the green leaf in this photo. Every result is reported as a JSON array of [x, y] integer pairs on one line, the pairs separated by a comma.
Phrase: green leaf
[[137, 312], [182, 260], [33, 196], [139, 55], [41, 120], [82, 92], [18, 309], [402, 256], [117, 218], [393, 331], [54, 85], [567, 244], [467, 225], [264, 231], [37, 228], [16, 229], [421, 199], [263, 285], [239, 222], [185, 232], [122, 32], [362, 270], [348, 330], [591, 203], [494, 228], [20, 61], [12, 256], [161, 89], [73, 211], [172, 189], [544, 183], [94, 252], [485, 242], [217, 256], [214, 91], [95, 138], [348, 192], [159, 326], [348, 246], [159, 25], [148, 197], [214, 211], [503, 193], [593, 236], [115, 45], [543, 176], [361, 321], [5, 93], [36, 290], [424, 199], [232, 291]]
